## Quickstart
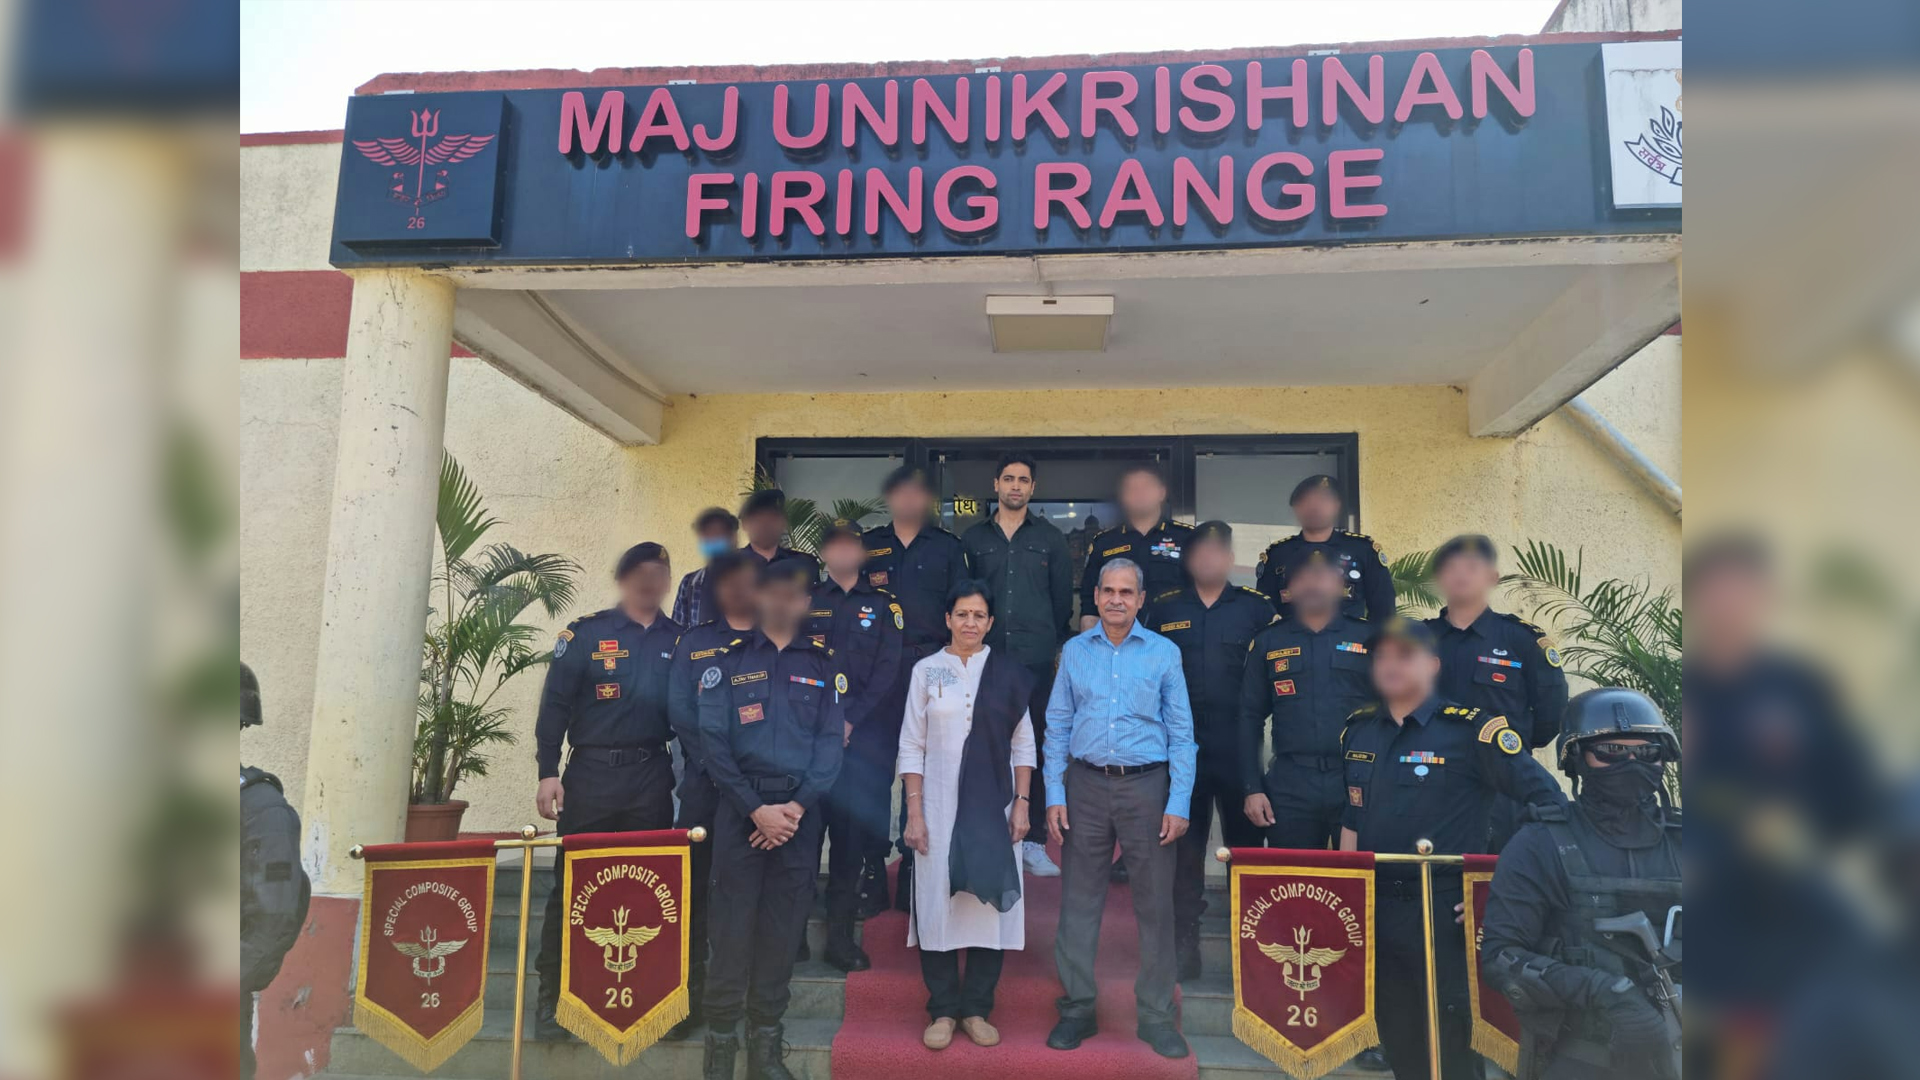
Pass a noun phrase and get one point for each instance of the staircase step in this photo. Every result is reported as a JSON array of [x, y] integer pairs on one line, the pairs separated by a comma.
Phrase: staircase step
[[490, 1054], [1223, 1057]]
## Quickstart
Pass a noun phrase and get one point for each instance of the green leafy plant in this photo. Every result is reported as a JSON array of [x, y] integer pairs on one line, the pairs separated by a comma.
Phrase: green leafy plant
[[1413, 589], [806, 522], [475, 644]]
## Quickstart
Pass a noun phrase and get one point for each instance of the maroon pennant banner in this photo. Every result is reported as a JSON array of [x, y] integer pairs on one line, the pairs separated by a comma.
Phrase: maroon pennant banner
[[422, 978], [1303, 956], [1496, 1028], [624, 949]]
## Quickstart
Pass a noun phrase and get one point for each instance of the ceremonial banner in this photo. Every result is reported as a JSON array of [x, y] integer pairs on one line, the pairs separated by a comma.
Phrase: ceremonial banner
[[423, 947], [1303, 956], [623, 951], [1496, 1029]]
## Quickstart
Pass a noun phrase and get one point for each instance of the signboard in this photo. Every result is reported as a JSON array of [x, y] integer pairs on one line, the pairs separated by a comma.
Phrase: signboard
[[1418, 145], [1643, 122]]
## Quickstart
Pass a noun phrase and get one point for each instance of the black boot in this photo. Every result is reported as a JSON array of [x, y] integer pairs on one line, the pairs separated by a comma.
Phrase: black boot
[[722, 1048], [1186, 951], [545, 1027], [873, 889], [842, 951], [903, 889], [696, 993], [766, 1053]]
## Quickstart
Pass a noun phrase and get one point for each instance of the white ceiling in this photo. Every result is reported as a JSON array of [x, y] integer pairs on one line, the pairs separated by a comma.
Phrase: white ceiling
[[1392, 326]]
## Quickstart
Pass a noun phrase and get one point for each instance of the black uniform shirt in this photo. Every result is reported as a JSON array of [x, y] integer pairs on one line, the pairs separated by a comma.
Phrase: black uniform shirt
[[863, 628], [772, 713], [1507, 666], [1213, 651], [1160, 553], [1032, 585], [1309, 683], [1435, 777], [606, 686], [1369, 582], [692, 656], [919, 575]]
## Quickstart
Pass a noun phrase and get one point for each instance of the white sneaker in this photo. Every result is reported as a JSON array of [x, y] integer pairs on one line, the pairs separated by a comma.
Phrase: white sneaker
[[1037, 862]]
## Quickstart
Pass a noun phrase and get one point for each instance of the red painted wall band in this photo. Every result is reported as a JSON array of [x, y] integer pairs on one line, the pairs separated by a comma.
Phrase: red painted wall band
[[299, 314]]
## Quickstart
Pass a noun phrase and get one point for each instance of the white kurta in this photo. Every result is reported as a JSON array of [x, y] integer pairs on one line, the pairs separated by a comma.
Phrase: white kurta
[[932, 740]]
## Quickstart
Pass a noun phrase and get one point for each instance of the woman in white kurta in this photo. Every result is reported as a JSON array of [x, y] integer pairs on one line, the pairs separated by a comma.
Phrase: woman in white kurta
[[941, 700]]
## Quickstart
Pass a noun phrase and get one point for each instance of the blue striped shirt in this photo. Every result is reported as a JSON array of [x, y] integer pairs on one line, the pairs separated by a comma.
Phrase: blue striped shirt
[[1121, 705]]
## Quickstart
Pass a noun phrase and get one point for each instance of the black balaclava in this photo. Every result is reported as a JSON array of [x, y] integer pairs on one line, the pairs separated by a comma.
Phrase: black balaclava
[[1622, 801]]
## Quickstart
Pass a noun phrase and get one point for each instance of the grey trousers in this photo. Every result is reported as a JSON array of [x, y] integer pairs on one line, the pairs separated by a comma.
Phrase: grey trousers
[[1100, 810]]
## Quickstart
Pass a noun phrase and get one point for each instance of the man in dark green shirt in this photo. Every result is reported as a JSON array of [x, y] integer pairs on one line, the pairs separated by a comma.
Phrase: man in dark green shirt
[[1029, 572]]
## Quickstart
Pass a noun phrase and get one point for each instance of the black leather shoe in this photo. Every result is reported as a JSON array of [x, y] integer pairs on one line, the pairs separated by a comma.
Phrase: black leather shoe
[[903, 889], [722, 1049], [1165, 1040], [873, 889], [1373, 1060], [1070, 1032], [843, 952], [1118, 874], [766, 1053]]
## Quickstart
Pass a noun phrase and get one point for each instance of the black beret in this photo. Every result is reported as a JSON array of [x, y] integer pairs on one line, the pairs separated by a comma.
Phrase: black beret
[[1213, 530], [1412, 631], [1468, 544], [905, 474], [840, 528], [763, 500], [1311, 483], [787, 571], [638, 555]]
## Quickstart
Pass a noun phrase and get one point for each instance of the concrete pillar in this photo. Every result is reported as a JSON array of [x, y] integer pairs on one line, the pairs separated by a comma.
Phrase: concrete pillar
[[393, 411]]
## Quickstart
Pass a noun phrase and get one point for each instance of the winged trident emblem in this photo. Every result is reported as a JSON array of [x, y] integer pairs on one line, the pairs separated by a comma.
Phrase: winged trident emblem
[[620, 947], [430, 956], [422, 155], [1301, 966]]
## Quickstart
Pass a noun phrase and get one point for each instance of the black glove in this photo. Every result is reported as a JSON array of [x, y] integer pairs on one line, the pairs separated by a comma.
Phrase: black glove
[[1637, 1026]]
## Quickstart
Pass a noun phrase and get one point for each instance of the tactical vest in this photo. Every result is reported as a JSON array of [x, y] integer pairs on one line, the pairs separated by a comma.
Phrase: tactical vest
[[1591, 896]]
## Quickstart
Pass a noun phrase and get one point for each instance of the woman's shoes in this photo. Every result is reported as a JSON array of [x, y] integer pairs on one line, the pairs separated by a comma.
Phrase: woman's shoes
[[981, 1032], [939, 1033]]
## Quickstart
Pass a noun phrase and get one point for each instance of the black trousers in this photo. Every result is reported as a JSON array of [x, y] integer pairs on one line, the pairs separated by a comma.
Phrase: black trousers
[[760, 899], [1037, 712], [1307, 794], [859, 810], [600, 798], [1215, 787], [1401, 981], [698, 799], [951, 995]]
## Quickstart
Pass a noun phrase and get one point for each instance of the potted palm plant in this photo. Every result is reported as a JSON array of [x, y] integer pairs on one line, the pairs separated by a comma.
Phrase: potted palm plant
[[474, 646]]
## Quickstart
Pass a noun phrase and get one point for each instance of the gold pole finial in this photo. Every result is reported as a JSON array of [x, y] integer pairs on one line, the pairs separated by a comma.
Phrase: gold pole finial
[[1223, 854], [356, 851], [1424, 847], [528, 832], [697, 834]]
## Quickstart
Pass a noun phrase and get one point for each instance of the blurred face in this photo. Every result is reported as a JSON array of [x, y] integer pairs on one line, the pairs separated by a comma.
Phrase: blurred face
[[1726, 611], [765, 528], [1209, 561], [844, 556], [782, 603], [1318, 509], [645, 586], [1403, 671], [969, 622], [1316, 588], [1466, 579], [1142, 495], [910, 501], [734, 594], [1014, 486], [1118, 597]]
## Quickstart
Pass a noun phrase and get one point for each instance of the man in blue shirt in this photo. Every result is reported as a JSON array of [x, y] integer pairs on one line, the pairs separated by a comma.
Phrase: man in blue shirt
[[1119, 766]]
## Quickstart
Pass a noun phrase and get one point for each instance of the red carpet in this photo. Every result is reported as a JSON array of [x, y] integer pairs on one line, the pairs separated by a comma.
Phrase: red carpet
[[887, 1007]]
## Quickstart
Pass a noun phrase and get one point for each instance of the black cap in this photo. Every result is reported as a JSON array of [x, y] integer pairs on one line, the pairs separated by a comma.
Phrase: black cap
[[1218, 531], [906, 474], [787, 570], [840, 528], [1474, 544], [1312, 483], [1412, 631], [763, 500], [249, 698], [637, 556]]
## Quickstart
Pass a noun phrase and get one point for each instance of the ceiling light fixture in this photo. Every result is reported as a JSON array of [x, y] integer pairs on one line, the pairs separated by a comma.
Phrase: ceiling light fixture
[[1049, 323]]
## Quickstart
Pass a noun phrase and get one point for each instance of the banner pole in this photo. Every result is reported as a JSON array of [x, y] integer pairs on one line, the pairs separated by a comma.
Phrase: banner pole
[[520, 950], [1425, 847]]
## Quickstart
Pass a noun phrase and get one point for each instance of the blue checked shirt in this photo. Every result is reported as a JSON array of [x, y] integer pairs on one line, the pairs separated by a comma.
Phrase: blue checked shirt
[[1121, 706]]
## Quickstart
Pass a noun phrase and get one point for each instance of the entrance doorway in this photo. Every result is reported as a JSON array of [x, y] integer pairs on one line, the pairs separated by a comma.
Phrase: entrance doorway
[[1243, 480]]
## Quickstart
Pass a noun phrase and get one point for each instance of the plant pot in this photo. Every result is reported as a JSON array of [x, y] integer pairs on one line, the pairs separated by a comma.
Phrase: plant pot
[[428, 822]]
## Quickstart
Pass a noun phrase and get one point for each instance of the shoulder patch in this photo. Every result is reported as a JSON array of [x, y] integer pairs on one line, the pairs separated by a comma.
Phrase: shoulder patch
[[1509, 741], [1355, 535], [566, 635], [1549, 651], [1492, 728]]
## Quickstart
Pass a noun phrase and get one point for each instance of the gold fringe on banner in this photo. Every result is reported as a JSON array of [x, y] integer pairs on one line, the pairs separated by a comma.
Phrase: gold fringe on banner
[[1490, 1042], [621, 1047], [423, 1054], [1325, 1058]]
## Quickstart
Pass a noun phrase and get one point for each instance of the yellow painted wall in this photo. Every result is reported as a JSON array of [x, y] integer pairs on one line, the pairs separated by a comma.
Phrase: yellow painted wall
[[560, 486]]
